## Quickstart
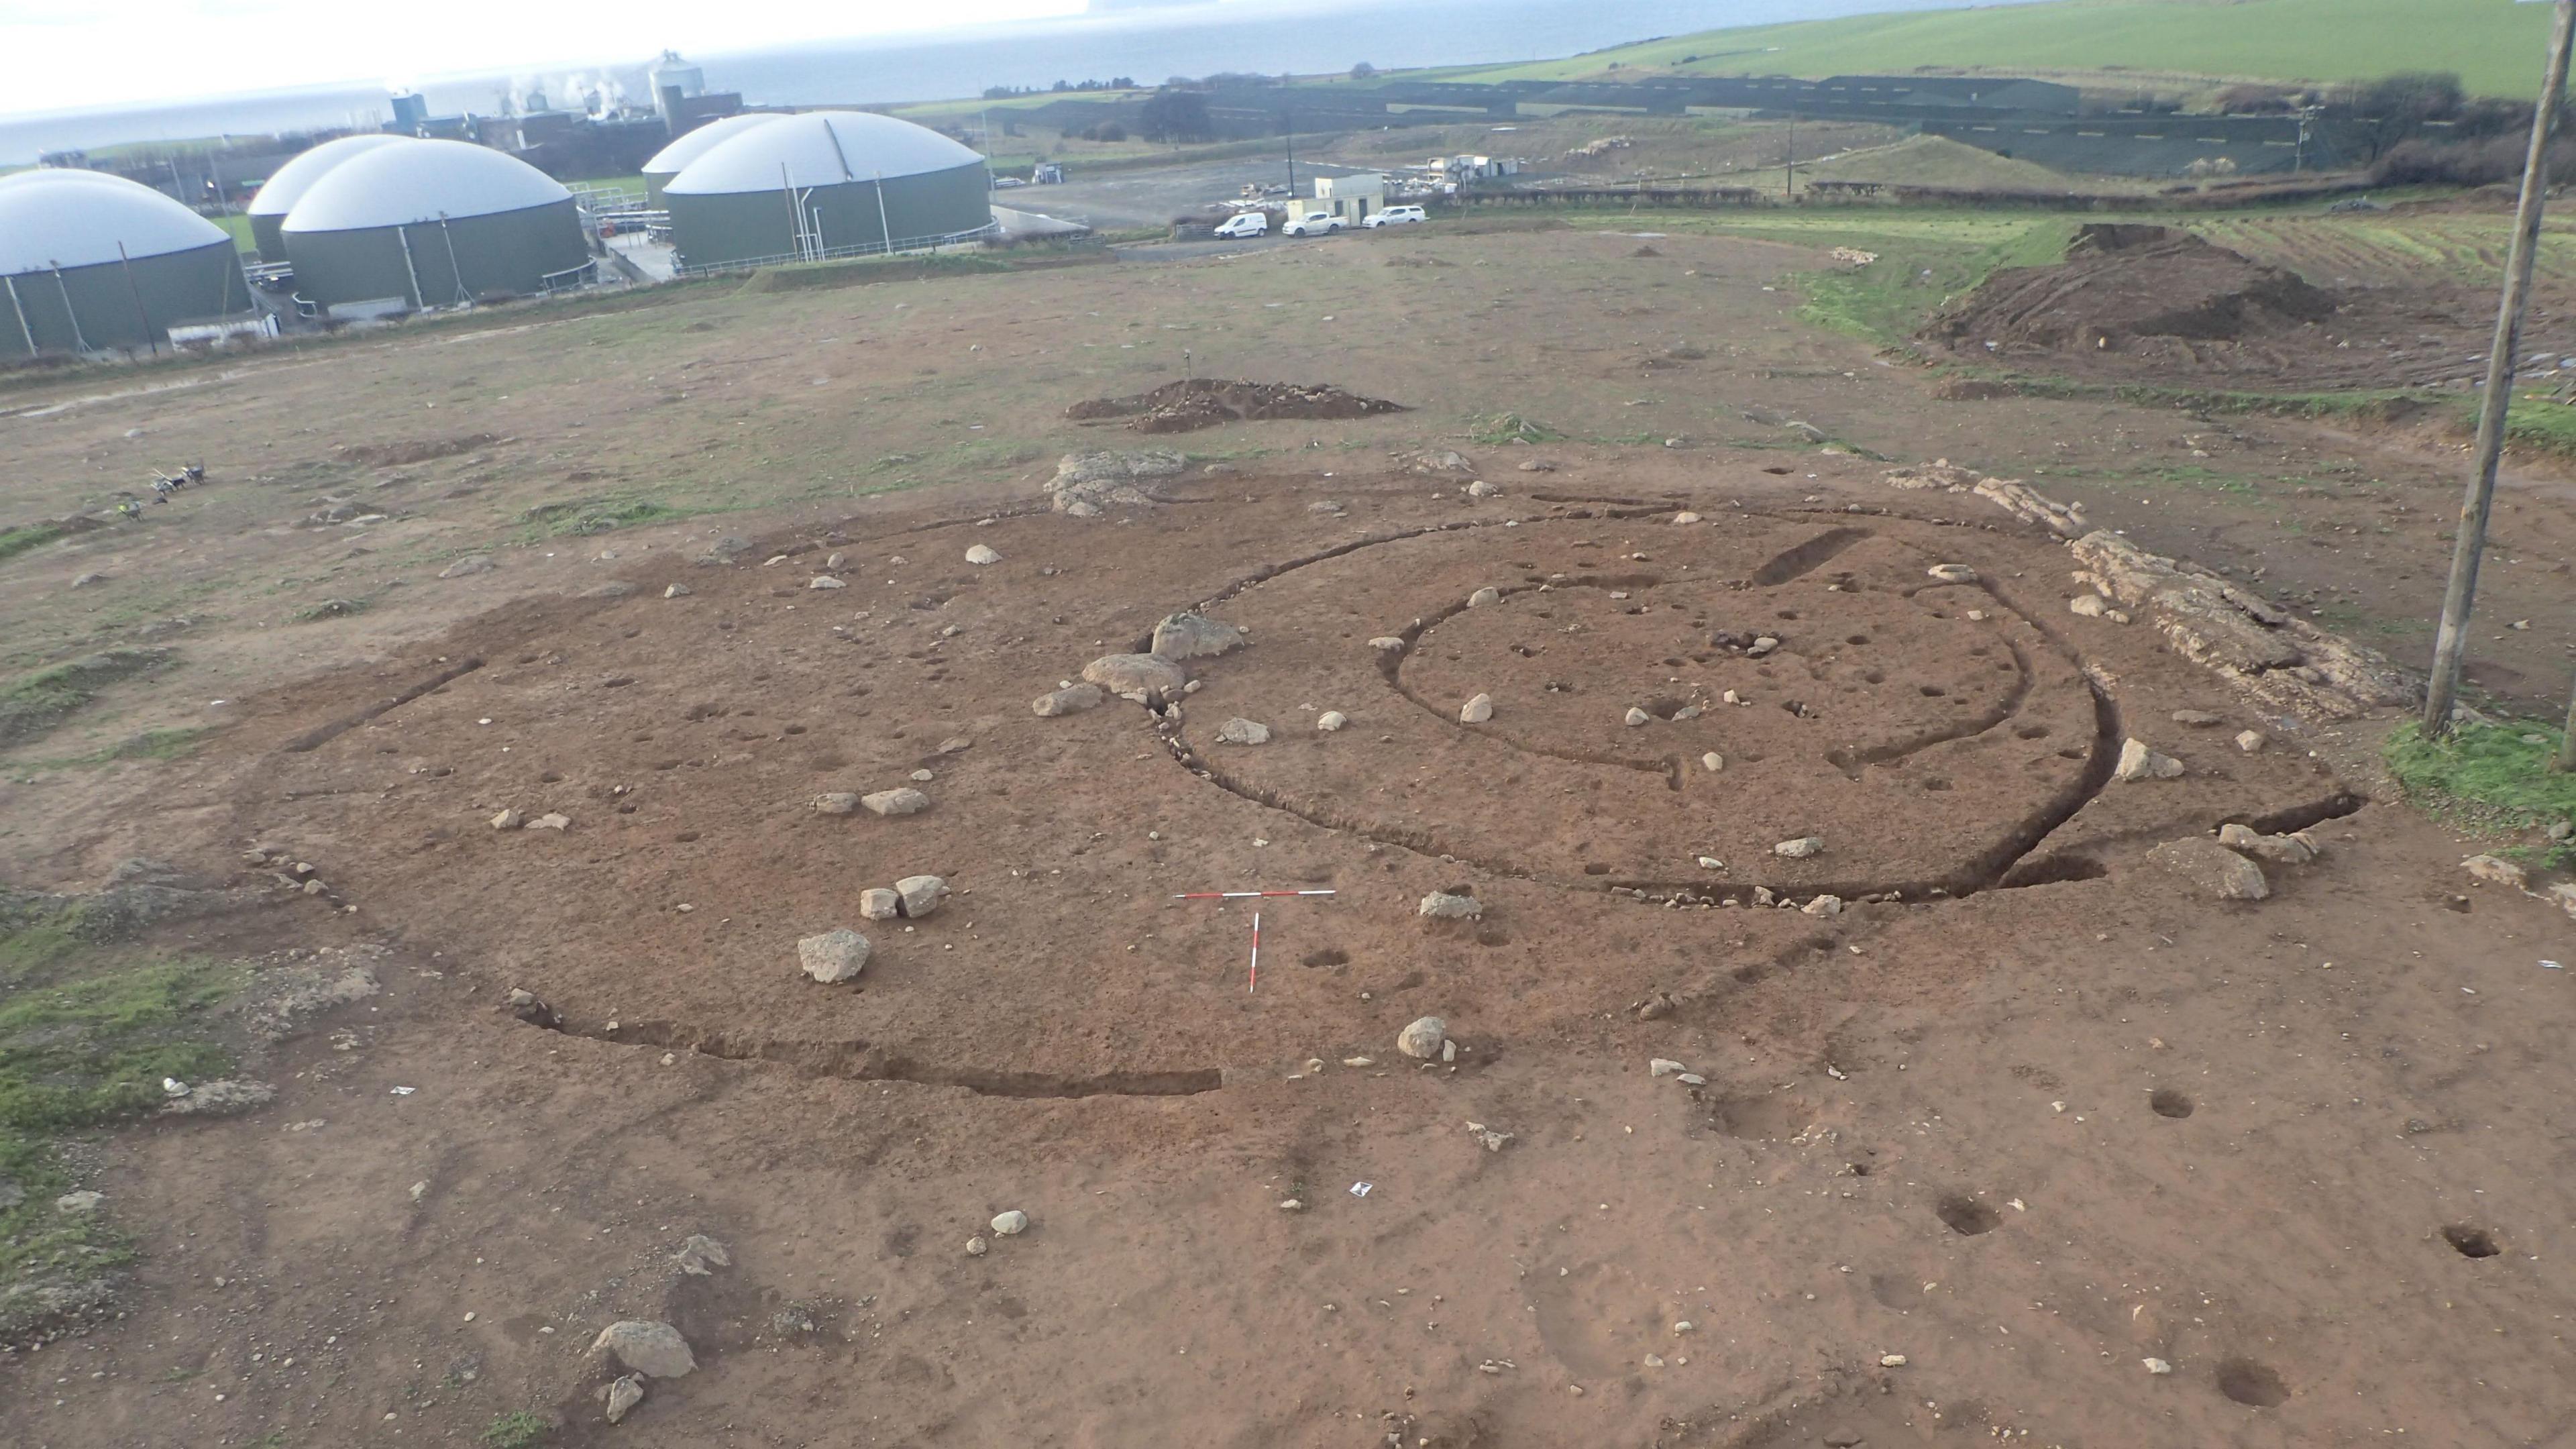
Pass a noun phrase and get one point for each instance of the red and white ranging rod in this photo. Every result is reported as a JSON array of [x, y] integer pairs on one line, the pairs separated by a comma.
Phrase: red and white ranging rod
[[1252, 982]]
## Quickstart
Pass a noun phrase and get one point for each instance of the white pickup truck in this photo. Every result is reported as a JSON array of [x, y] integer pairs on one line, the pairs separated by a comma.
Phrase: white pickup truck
[[1312, 223]]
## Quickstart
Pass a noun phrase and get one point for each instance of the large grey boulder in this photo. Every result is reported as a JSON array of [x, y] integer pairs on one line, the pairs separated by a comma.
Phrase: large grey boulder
[[919, 895], [1143, 678], [2212, 869], [655, 1350], [1191, 635], [1423, 1039], [901, 801], [835, 956], [1073, 700]]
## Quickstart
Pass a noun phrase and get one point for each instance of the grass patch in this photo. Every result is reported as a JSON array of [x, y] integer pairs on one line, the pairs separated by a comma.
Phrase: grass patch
[[517, 1429], [584, 516], [330, 609], [1889, 299], [2535, 423], [33, 704], [75, 1057], [19, 538], [2488, 777], [1505, 428]]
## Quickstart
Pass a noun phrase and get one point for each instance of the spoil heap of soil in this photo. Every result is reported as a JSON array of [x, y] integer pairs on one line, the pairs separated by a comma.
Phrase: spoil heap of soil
[[1206, 402], [2147, 291]]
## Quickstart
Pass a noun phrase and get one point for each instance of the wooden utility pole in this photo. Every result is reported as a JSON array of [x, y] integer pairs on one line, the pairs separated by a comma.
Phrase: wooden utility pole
[[2442, 691]]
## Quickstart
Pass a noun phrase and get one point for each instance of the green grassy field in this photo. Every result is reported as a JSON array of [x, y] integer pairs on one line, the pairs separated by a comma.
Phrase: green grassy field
[[2495, 45]]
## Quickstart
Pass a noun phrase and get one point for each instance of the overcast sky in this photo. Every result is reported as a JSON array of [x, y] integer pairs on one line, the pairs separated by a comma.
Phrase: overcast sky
[[67, 54]]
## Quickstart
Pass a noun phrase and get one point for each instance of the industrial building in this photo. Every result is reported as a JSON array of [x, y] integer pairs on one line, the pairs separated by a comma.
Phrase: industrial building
[[287, 185], [95, 263], [671, 160], [826, 184], [420, 224]]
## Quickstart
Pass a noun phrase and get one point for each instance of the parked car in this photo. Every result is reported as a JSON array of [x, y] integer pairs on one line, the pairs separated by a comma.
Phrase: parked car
[[1395, 216], [1245, 223], [1312, 223]]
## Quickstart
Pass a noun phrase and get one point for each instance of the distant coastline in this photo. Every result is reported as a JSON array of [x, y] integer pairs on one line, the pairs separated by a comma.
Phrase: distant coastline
[[1149, 45]]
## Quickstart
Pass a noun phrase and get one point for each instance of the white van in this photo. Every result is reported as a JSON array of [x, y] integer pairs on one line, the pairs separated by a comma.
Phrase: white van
[[1311, 223], [1395, 216], [1245, 223]]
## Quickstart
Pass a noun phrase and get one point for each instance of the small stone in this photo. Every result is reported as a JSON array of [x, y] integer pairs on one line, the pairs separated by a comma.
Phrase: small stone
[[1823, 906], [977, 1246], [1387, 643], [903, 800], [1445, 906], [1654, 1360], [79, 1202], [981, 554], [551, 820], [1801, 848], [1239, 731], [1664, 1067], [1482, 489], [1072, 700], [2197, 719], [1477, 710], [677, 591], [1484, 596], [2157, 1366], [2086, 606], [1891, 1360], [920, 894], [623, 1395], [1761, 646], [2494, 871], [880, 904], [655, 1350], [466, 567], [2137, 762], [1691, 1079], [836, 802], [1492, 1139], [835, 956], [2251, 741], [1331, 720], [921, 777], [955, 745], [1953, 573], [2212, 868], [1423, 1038], [1291, 1205], [1685, 517], [2564, 893], [506, 820], [1448, 1051], [1712, 762], [1710, 862], [1636, 717], [1011, 1223], [1191, 635], [825, 581], [700, 1256]]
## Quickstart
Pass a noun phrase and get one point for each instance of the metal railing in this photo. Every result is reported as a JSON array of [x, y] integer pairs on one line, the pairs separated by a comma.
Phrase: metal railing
[[683, 267]]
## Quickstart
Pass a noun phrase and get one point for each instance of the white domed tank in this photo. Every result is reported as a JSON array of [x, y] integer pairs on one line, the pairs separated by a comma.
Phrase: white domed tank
[[826, 184], [287, 185], [93, 263], [671, 160], [421, 224]]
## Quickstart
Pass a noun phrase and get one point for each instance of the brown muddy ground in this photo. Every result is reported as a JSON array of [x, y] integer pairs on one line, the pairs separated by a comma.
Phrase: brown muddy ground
[[2024, 1136]]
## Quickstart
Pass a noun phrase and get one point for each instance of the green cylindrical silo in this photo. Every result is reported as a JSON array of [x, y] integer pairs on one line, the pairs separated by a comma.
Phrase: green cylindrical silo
[[431, 224], [95, 263], [826, 183]]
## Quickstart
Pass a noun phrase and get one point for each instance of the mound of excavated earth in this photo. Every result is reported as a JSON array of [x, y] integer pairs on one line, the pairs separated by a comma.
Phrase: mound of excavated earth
[[1207, 402]]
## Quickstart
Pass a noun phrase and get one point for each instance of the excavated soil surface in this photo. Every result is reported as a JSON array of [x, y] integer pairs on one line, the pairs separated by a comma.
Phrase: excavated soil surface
[[1935, 736], [2155, 303], [1206, 402]]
